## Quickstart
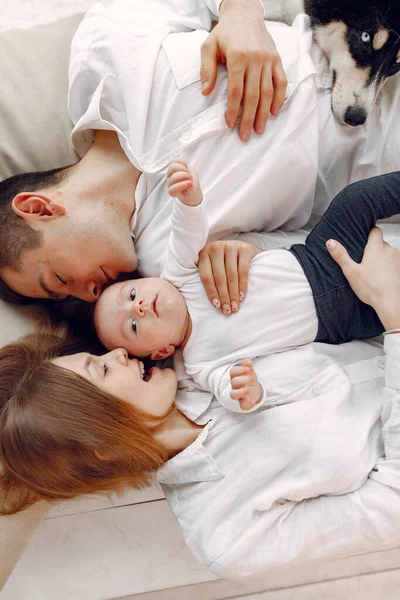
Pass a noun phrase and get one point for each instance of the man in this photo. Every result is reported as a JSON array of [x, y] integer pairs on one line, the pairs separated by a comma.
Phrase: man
[[135, 98], [85, 278]]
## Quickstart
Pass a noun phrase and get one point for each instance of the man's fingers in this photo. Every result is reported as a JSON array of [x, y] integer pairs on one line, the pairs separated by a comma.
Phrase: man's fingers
[[235, 91], [251, 99], [266, 97], [208, 68], [280, 86]]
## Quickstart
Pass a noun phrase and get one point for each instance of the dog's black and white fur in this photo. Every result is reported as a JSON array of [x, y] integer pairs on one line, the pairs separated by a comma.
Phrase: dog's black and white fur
[[361, 39]]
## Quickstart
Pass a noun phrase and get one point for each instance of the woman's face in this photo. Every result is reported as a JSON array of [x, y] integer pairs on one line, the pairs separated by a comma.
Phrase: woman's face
[[152, 391]]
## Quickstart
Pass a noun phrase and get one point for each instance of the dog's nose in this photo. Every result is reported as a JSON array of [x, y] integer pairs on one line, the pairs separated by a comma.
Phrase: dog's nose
[[355, 115]]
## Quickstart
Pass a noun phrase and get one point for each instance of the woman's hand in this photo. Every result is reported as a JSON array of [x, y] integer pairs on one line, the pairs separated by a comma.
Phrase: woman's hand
[[224, 271], [256, 79], [376, 280]]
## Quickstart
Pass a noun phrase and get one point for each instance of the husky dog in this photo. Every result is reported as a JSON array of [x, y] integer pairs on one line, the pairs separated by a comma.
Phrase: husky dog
[[361, 39]]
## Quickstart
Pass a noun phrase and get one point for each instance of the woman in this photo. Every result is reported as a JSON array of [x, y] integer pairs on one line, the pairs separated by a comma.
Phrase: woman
[[317, 476]]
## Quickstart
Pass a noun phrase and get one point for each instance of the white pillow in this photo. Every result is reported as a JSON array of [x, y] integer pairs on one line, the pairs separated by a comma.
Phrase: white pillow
[[34, 123]]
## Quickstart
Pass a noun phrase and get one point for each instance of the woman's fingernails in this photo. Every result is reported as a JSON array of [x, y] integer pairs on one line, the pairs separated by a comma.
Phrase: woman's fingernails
[[234, 306], [204, 86], [241, 296], [226, 309], [216, 303], [330, 244]]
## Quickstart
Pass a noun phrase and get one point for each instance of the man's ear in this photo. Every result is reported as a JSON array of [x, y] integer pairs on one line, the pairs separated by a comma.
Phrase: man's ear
[[163, 353], [31, 206]]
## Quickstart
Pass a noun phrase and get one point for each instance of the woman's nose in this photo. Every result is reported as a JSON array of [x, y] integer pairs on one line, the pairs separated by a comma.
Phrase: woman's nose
[[120, 355]]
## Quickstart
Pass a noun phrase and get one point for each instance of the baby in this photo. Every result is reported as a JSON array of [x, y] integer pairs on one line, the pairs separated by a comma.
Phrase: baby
[[294, 297]]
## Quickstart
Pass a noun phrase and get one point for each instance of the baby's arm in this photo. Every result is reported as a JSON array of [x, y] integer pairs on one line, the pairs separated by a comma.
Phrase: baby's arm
[[246, 388], [237, 387], [183, 183], [189, 226]]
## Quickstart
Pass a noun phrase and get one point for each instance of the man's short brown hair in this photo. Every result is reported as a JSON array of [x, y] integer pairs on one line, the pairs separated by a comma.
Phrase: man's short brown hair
[[17, 237]]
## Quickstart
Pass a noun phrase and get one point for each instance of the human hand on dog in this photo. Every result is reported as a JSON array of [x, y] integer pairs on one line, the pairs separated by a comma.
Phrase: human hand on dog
[[245, 385], [256, 79], [376, 280], [183, 183]]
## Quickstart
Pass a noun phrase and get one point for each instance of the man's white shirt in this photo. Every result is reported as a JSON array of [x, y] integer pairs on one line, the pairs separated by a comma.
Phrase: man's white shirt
[[135, 69]]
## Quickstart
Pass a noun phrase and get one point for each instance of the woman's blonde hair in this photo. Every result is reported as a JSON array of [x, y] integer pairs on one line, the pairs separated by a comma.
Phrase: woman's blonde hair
[[60, 436]]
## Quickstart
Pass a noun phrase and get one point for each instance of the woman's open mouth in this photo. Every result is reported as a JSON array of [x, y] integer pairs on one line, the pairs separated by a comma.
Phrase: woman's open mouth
[[146, 374]]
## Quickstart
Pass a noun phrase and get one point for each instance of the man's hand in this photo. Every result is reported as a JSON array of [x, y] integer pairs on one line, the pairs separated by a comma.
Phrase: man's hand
[[246, 388], [256, 79], [376, 280], [183, 183], [224, 271]]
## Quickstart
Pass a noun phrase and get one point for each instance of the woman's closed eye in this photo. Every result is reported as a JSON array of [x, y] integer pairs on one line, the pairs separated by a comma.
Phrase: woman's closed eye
[[105, 369]]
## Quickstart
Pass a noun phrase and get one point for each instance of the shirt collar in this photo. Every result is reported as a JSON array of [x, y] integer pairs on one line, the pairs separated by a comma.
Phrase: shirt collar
[[191, 465]]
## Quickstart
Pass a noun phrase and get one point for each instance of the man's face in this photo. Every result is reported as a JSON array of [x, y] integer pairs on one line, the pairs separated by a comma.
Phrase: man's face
[[77, 256], [147, 316]]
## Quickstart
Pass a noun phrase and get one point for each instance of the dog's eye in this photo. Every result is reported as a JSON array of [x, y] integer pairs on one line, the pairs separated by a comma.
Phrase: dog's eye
[[365, 37], [398, 61]]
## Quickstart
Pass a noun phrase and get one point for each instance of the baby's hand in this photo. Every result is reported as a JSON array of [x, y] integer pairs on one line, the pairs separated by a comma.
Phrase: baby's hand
[[183, 183], [245, 385]]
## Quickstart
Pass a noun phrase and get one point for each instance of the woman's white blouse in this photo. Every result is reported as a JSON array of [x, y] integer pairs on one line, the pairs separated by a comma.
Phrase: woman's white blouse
[[312, 479]]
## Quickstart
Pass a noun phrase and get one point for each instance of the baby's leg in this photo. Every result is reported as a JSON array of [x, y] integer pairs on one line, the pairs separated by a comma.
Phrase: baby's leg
[[349, 219]]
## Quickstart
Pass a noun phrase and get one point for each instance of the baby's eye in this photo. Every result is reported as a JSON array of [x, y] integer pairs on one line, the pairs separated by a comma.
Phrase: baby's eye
[[134, 326], [132, 295]]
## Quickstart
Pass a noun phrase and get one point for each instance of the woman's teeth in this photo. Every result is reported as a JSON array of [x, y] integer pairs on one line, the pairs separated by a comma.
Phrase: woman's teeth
[[142, 371]]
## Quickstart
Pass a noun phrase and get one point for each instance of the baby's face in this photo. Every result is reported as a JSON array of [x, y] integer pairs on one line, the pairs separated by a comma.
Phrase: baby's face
[[142, 315]]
